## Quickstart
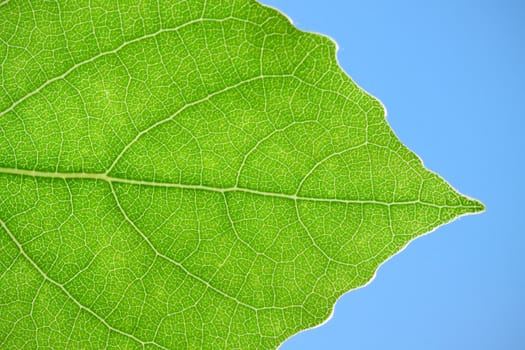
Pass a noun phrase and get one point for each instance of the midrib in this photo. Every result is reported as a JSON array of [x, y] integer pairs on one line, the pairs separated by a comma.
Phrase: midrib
[[113, 179]]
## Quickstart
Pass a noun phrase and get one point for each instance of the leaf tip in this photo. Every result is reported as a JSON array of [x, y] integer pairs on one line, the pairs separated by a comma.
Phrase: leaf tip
[[475, 206]]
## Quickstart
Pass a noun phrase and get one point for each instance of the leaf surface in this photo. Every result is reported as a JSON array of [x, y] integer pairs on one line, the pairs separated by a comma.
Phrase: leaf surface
[[190, 174]]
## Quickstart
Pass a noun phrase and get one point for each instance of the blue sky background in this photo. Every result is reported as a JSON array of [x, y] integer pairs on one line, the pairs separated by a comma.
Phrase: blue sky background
[[452, 76]]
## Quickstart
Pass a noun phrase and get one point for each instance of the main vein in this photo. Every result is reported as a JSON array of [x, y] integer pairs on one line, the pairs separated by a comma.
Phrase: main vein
[[113, 179]]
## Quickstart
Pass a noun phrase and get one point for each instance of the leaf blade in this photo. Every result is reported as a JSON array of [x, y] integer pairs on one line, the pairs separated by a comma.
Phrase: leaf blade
[[204, 177]]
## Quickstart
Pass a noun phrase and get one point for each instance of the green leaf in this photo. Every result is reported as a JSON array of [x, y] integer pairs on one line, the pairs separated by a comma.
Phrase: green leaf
[[190, 174]]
